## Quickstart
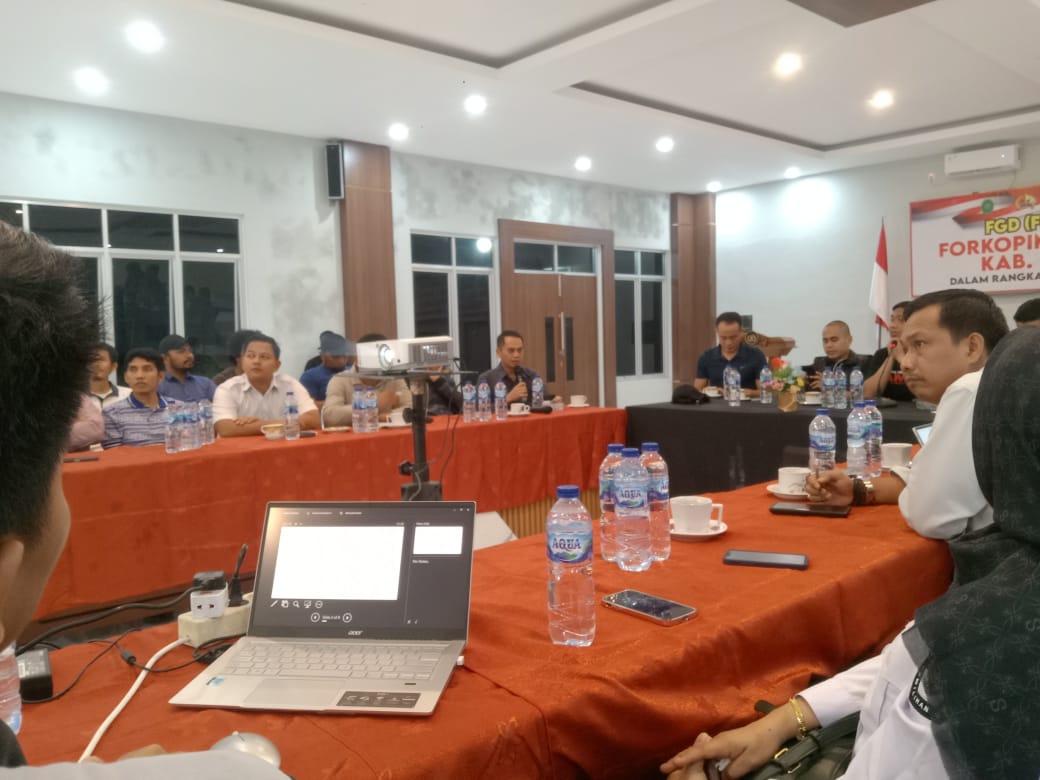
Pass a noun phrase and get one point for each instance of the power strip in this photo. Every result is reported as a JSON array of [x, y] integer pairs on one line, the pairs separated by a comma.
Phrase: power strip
[[199, 631]]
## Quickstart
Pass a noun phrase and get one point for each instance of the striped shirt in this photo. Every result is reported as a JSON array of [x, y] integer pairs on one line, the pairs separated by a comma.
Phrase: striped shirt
[[132, 423]]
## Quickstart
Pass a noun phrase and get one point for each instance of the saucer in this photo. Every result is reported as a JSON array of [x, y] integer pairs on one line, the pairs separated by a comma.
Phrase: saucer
[[810, 403], [713, 395], [580, 406], [519, 414], [701, 536], [338, 429], [775, 490]]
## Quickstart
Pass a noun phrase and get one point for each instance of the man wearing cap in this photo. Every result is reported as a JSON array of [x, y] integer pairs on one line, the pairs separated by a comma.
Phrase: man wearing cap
[[177, 383], [334, 357]]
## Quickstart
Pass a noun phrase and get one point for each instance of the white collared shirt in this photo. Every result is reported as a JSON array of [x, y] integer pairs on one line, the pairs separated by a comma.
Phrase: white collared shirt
[[238, 398]]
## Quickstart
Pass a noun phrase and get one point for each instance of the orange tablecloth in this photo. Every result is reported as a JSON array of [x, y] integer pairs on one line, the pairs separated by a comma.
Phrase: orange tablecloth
[[144, 521], [524, 708]]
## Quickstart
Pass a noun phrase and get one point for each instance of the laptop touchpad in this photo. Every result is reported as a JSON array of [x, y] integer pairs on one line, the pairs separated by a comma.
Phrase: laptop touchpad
[[297, 693]]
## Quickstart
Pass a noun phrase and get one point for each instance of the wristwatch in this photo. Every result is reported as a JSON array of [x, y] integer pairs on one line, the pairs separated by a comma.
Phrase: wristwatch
[[863, 492]]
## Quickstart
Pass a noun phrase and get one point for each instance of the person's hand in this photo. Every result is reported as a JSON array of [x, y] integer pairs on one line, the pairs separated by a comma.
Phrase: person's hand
[[246, 420], [517, 393], [815, 381], [694, 771], [831, 487], [747, 748]]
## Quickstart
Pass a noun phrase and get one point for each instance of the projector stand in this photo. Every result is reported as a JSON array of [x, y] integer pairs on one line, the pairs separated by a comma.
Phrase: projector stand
[[420, 489]]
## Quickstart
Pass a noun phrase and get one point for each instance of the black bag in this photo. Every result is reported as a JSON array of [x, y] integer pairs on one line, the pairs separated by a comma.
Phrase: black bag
[[823, 754], [688, 394]]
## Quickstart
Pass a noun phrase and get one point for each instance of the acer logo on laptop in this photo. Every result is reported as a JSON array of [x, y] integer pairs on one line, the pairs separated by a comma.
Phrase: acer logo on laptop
[[355, 633]]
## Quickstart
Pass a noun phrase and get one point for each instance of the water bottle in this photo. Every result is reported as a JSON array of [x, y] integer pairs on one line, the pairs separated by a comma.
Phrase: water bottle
[[537, 393], [658, 498], [632, 513], [371, 403], [292, 417], [469, 402], [173, 430], [765, 379], [206, 422], [483, 401], [874, 440], [731, 385], [841, 388], [572, 595], [607, 532], [10, 689], [827, 385], [858, 426], [822, 441], [358, 417], [501, 407], [855, 385], [191, 436]]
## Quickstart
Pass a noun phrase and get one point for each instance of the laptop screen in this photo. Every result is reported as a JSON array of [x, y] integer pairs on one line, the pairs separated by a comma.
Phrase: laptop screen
[[379, 570], [922, 432]]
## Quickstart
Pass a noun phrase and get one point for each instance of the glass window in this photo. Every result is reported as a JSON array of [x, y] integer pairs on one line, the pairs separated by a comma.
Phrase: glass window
[[468, 253], [88, 278], [652, 335], [140, 230], [66, 225], [474, 296], [209, 234], [430, 293], [431, 250], [11, 213], [624, 261], [576, 259], [651, 263], [141, 303], [625, 326], [209, 312], [533, 257]]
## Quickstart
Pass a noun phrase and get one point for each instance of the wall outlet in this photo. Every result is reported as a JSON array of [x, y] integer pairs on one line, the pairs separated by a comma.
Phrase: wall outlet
[[199, 630]]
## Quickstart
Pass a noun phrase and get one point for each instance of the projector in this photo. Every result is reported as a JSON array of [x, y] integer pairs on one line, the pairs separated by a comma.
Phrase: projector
[[403, 354]]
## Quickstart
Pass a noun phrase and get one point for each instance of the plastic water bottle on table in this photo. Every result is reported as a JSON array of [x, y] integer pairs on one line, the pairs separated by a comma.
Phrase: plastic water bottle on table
[[469, 402], [607, 531], [483, 401], [501, 407], [632, 513], [874, 439], [765, 379], [858, 428], [571, 591], [657, 495], [731, 385], [822, 442]]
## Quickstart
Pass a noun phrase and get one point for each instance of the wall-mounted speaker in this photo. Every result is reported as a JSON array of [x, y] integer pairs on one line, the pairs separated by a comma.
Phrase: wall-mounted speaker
[[334, 169]]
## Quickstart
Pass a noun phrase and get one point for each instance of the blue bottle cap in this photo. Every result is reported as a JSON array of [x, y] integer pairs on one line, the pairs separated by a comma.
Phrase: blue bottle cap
[[859, 404], [823, 411], [630, 452], [615, 448], [567, 491], [650, 446]]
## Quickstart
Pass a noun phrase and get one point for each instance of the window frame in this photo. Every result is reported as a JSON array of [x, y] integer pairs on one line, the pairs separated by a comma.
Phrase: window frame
[[597, 260], [638, 279]]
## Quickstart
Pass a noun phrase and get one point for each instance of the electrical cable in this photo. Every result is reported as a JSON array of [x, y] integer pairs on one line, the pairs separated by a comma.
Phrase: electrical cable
[[126, 699], [109, 644]]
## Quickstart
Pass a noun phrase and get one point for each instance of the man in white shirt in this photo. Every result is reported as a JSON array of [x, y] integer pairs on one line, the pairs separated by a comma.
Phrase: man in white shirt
[[257, 396], [103, 364], [947, 339]]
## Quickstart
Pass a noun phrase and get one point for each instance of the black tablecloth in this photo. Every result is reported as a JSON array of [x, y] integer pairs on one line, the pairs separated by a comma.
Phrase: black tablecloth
[[715, 446]]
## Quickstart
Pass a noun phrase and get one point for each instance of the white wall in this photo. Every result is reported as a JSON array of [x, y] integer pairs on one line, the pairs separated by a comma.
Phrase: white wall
[[442, 196], [796, 254], [290, 274]]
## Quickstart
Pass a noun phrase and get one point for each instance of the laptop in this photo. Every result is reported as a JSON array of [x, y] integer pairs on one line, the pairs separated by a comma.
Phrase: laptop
[[357, 608], [921, 432]]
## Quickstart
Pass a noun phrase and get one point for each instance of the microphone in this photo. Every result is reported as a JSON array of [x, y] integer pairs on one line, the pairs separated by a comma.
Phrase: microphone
[[522, 377]]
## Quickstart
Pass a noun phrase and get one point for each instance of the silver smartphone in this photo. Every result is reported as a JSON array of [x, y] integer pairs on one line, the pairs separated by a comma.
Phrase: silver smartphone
[[654, 608]]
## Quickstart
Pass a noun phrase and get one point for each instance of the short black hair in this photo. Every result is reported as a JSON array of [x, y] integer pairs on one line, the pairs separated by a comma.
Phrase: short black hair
[[1028, 311], [237, 343], [258, 336], [963, 312], [729, 316], [49, 335], [507, 334], [368, 338], [103, 346], [146, 353], [900, 305]]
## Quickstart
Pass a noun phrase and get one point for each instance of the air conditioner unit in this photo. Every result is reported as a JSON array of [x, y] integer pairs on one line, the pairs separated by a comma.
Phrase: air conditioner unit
[[993, 160]]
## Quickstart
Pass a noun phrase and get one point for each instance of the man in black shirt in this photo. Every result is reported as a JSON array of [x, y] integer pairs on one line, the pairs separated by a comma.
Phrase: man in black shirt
[[885, 379], [837, 348]]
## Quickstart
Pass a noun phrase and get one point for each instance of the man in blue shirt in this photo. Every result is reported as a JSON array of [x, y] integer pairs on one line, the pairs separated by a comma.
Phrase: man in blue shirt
[[140, 418], [178, 384], [334, 357], [732, 350]]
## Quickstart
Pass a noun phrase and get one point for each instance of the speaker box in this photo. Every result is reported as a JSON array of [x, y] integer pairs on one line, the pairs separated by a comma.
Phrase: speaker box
[[334, 170]]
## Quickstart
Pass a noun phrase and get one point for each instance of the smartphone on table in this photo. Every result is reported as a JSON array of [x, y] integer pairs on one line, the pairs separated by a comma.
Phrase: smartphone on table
[[660, 610], [772, 560]]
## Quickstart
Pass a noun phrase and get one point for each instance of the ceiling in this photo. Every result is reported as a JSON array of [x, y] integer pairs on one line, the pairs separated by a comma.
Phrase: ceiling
[[563, 78]]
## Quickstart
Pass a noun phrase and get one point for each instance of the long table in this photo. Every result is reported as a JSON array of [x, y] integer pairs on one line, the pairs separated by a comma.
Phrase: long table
[[524, 708], [144, 521], [715, 446]]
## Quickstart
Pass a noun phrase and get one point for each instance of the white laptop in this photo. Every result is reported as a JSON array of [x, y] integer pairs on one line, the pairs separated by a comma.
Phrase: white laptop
[[357, 608]]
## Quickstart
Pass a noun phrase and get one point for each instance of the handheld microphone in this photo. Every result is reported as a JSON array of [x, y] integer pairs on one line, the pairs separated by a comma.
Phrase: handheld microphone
[[522, 377]]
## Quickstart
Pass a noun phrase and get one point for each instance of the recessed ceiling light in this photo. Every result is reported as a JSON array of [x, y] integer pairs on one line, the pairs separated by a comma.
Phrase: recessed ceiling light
[[91, 80], [713, 186], [475, 105], [484, 245], [883, 98], [144, 36], [787, 64], [583, 163], [665, 144], [793, 172], [398, 131]]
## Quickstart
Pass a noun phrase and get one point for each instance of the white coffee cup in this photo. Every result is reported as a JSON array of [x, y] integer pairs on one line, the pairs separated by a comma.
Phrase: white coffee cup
[[895, 454], [812, 396], [694, 515], [519, 408], [579, 400], [397, 417], [791, 479]]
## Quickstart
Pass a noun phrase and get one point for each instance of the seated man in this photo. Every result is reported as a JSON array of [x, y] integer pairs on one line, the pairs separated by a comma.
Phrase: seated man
[[510, 350], [1028, 313], [334, 357], [391, 392], [236, 343], [245, 403], [838, 354], [178, 384], [102, 365], [732, 350], [947, 339], [885, 378], [89, 426], [140, 418]]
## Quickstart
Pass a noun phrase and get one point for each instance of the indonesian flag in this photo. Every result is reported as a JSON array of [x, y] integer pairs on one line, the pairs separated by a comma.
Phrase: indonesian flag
[[879, 282]]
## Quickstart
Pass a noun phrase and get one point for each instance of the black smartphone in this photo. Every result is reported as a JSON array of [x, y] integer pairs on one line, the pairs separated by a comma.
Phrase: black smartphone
[[772, 560], [308, 434], [816, 510], [80, 459], [654, 608]]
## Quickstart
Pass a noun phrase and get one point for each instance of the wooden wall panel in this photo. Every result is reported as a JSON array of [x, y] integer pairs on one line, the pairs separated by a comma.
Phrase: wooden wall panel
[[693, 281]]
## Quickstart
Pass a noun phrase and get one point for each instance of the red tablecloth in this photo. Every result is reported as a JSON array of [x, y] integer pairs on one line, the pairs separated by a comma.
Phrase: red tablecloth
[[144, 521]]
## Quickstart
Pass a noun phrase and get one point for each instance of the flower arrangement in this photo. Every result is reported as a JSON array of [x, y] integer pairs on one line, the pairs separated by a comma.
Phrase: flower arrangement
[[785, 376]]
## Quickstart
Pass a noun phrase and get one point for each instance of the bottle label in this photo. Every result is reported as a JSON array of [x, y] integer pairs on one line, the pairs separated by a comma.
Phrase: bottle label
[[606, 490], [657, 489], [468, 393], [569, 547], [823, 440], [629, 498]]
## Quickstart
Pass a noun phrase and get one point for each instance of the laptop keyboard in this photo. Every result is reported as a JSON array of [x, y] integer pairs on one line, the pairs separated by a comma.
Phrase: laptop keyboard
[[363, 662]]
